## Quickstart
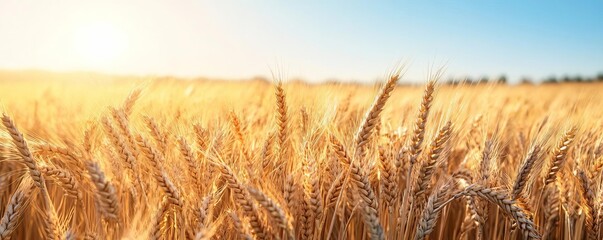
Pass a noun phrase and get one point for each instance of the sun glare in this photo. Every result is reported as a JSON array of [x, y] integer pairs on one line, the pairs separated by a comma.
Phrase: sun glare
[[98, 44]]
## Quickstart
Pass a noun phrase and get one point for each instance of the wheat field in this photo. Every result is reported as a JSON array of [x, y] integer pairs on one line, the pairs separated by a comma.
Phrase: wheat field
[[171, 159]]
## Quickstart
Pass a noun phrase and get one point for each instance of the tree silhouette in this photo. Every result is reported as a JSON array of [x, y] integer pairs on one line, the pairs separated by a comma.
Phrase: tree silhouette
[[578, 79], [566, 79], [502, 79], [483, 80], [526, 80], [550, 80]]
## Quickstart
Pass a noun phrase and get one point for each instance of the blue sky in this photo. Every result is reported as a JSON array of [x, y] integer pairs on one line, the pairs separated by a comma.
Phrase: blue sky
[[315, 40]]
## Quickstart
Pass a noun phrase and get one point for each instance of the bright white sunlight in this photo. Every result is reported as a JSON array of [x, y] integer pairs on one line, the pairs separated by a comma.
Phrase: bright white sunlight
[[98, 43], [307, 120]]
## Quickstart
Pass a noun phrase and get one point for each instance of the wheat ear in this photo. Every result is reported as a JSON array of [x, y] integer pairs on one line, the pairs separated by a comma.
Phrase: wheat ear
[[122, 122], [204, 210], [289, 193], [160, 175], [372, 116], [158, 221], [334, 193], [368, 201], [559, 155], [50, 223], [485, 166], [71, 156], [159, 136], [507, 204], [589, 203], [524, 171], [65, 180], [432, 210], [281, 116], [124, 150], [105, 191], [238, 226], [243, 200], [312, 188], [551, 211], [339, 150], [202, 136], [128, 105], [433, 154], [191, 161], [420, 121], [34, 172], [275, 212], [267, 152], [389, 182], [13, 211], [21, 145]]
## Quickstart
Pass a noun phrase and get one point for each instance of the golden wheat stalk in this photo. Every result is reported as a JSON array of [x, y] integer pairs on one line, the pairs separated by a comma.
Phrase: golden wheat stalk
[[65, 180], [238, 226], [559, 155], [524, 171], [105, 192], [14, 210], [433, 154], [368, 201], [158, 221], [159, 173], [275, 212], [159, 136], [389, 184], [589, 203], [243, 200], [372, 116], [507, 204], [281, 117], [430, 214], [24, 152], [191, 161], [420, 121]]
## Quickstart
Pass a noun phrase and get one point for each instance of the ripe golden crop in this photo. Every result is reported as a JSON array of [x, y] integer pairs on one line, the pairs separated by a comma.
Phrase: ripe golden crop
[[172, 159]]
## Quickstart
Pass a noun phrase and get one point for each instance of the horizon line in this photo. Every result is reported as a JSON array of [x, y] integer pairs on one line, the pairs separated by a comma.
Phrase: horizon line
[[558, 78]]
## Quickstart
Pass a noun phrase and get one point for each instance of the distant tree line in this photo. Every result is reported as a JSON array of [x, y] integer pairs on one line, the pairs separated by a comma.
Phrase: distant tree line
[[550, 80]]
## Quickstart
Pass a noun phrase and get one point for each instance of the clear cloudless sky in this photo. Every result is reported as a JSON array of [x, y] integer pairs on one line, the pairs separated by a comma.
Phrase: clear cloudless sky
[[315, 40]]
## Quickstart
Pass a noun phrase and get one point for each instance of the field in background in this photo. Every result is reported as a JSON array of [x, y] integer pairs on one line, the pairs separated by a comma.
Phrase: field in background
[[138, 159]]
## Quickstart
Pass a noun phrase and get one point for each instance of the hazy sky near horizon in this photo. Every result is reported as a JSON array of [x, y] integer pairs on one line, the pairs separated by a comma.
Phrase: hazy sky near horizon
[[314, 40]]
